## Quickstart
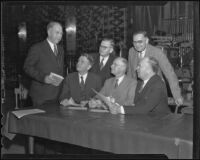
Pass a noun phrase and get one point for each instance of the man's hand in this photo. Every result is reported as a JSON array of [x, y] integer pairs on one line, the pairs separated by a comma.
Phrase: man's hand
[[114, 108], [94, 103], [49, 80], [64, 102], [179, 101]]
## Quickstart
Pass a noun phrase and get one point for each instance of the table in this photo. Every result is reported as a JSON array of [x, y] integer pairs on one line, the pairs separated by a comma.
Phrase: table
[[123, 134]]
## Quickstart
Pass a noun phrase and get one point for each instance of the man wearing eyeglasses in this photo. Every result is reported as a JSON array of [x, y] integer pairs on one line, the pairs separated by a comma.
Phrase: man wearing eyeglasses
[[104, 60], [141, 48]]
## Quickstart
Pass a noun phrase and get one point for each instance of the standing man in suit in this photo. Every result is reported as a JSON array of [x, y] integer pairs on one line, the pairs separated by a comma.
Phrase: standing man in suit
[[77, 86], [150, 94], [141, 48], [43, 58], [121, 88], [104, 59]]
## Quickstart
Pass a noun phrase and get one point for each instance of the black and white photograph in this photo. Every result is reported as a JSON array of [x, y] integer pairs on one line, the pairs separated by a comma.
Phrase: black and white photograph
[[100, 80]]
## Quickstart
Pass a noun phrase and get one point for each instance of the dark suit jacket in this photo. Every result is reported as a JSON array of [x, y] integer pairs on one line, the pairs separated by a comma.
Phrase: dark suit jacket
[[39, 63], [152, 98], [164, 64], [105, 73], [71, 86]]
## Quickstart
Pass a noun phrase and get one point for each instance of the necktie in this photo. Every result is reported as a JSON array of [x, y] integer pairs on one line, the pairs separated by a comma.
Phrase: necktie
[[141, 87], [82, 83], [116, 83], [140, 55], [101, 64], [55, 50]]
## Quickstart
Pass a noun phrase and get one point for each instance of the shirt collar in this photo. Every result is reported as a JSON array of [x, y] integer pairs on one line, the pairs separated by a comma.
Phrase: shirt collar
[[105, 59], [84, 76], [120, 79], [51, 44]]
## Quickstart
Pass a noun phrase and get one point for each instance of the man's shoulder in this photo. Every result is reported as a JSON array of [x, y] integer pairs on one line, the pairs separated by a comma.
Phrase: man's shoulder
[[129, 79], [72, 75], [156, 80], [39, 44], [93, 75], [132, 50], [154, 49], [109, 80]]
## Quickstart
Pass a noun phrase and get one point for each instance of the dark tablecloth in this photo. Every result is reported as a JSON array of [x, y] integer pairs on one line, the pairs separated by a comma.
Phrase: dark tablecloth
[[124, 134]]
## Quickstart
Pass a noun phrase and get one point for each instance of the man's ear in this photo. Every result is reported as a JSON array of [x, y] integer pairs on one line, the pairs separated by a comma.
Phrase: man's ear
[[49, 31], [111, 50], [147, 40], [89, 67]]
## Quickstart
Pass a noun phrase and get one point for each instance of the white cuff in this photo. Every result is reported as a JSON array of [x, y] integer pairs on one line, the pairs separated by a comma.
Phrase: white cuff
[[122, 110]]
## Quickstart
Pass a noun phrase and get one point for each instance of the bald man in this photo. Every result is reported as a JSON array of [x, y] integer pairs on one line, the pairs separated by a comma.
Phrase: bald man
[[121, 89], [43, 58]]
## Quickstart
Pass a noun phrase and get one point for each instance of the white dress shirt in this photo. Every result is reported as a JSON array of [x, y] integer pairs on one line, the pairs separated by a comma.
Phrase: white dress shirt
[[84, 77], [142, 54], [120, 79], [105, 60], [51, 45]]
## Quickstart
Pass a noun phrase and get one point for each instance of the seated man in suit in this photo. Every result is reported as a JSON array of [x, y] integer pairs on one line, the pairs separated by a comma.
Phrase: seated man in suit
[[150, 94], [77, 86], [120, 89]]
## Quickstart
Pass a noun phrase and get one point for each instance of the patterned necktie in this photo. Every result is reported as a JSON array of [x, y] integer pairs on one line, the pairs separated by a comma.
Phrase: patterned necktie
[[55, 50], [101, 64], [116, 83], [82, 83], [140, 55]]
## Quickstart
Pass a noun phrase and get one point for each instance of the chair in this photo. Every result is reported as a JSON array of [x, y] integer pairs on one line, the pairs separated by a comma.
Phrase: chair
[[21, 93]]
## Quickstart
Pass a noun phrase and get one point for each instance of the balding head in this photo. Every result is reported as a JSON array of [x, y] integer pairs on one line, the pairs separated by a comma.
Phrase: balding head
[[54, 31], [119, 66], [147, 67]]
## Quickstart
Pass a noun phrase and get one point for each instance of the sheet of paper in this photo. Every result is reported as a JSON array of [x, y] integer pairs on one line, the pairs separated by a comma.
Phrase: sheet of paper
[[99, 110], [102, 97], [77, 108], [21, 113]]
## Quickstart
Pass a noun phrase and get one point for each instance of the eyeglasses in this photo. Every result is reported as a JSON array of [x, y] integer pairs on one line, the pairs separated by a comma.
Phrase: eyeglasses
[[140, 41], [104, 47]]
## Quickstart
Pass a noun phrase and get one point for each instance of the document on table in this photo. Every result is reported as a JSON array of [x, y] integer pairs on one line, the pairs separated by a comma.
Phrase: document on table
[[102, 97], [77, 107], [21, 113], [99, 110]]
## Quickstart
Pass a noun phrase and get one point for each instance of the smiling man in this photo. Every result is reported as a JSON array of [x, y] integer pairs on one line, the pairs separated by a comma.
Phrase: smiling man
[[141, 48], [121, 88]]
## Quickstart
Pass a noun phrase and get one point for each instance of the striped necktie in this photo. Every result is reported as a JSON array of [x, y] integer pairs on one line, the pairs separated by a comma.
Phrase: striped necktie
[[116, 83], [55, 50], [82, 84], [101, 64]]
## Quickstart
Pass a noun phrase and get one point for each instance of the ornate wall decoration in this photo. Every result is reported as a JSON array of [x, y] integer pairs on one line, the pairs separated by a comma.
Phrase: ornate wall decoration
[[96, 22]]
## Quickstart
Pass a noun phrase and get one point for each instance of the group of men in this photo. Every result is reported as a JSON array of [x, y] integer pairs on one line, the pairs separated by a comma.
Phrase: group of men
[[135, 85], [131, 86]]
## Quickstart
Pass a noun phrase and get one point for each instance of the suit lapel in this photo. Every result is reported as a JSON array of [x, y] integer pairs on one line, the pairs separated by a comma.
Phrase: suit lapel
[[142, 92], [59, 57], [48, 50], [107, 63]]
